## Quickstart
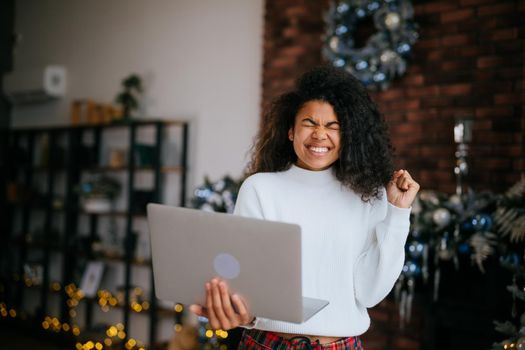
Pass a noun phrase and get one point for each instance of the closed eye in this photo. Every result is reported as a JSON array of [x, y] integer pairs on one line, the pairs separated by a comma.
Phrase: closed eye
[[309, 122], [332, 125]]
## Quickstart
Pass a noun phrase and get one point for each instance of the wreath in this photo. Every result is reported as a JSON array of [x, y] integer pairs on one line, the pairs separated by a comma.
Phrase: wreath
[[385, 53]]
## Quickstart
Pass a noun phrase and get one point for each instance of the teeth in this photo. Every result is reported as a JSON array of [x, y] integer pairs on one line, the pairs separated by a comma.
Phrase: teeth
[[319, 149]]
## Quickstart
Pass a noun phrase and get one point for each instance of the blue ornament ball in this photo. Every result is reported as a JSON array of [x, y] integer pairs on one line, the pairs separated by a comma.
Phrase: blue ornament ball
[[482, 222], [415, 249], [464, 248], [411, 269]]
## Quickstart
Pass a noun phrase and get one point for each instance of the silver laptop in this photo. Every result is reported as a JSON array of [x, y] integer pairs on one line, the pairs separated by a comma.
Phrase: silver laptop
[[260, 260]]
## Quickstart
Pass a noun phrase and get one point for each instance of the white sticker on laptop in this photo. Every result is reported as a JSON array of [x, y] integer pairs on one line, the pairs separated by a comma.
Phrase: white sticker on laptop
[[226, 266]]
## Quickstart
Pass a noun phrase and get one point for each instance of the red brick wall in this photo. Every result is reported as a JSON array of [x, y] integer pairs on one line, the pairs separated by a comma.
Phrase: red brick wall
[[292, 42], [469, 61]]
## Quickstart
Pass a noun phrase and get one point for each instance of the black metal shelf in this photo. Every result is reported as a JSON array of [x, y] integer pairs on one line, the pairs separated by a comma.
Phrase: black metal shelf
[[107, 169], [70, 167]]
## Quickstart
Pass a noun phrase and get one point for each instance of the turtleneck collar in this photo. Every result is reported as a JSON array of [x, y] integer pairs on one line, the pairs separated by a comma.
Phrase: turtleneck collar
[[310, 176]]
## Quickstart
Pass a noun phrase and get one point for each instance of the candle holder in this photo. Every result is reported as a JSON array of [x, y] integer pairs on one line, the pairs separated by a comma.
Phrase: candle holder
[[462, 137]]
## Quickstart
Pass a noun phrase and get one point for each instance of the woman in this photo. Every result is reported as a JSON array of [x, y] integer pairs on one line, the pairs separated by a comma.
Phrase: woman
[[323, 160]]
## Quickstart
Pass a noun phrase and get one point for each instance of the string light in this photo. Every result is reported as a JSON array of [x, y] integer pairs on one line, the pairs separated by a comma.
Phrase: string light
[[111, 331], [55, 286], [3, 309], [131, 343], [179, 308], [105, 300]]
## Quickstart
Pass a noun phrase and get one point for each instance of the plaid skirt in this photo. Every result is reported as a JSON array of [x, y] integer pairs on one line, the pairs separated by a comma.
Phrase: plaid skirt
[[254, 339]]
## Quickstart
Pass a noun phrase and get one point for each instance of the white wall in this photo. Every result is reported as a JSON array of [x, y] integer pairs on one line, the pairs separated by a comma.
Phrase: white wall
[[201, 60]]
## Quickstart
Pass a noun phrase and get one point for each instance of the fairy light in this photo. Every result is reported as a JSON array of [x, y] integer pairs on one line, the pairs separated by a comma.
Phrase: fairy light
[[209, 333], [136, 306], [221, 333], [178, 327], [120, 331], [3, 309], [69, 288], [179, 308], [105, 300], [55, 286], [111, 331], [131, 343]]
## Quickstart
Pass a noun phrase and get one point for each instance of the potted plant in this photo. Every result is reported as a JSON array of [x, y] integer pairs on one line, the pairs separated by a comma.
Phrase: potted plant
[[128, 98]]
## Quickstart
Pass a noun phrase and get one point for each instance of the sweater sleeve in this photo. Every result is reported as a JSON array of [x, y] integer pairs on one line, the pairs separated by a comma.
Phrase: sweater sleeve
[[377, 269], [248, 203]]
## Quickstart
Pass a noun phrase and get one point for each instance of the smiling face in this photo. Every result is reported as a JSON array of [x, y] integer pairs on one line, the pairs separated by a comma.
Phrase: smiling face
[[316, 136]]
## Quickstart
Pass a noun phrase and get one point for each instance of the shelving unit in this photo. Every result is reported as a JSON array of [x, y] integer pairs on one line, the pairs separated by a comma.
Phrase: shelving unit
[[56, 161]]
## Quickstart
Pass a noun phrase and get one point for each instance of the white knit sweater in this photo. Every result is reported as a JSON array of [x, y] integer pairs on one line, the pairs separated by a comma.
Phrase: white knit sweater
[[352, 252]]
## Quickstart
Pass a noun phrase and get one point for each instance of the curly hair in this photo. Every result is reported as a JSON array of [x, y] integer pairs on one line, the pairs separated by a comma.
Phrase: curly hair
[[365, 161]]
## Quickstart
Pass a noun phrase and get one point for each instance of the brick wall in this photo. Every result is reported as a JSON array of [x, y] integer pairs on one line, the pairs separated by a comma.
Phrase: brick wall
[[469, 62]]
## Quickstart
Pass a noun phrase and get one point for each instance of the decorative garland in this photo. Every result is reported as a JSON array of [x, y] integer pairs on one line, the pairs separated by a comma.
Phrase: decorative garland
[[385, 53], [217, 196]]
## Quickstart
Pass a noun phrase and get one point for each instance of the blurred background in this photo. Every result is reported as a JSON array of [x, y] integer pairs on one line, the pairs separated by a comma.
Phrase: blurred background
[[108, 105]]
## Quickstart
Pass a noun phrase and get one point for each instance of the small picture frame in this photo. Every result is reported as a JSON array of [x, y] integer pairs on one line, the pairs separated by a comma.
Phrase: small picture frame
[[91, 278]]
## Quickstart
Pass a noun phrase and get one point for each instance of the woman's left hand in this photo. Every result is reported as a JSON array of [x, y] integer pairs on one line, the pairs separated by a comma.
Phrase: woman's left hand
[[402, 189]]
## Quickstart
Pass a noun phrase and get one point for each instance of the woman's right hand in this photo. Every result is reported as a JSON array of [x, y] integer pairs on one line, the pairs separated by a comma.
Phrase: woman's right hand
[[223, 310]]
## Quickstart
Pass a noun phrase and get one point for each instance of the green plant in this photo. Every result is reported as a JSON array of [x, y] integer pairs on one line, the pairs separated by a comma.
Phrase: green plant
[[129, 97]]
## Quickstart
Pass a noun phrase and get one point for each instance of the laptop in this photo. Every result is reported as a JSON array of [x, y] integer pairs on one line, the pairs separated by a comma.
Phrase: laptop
[[260, 260]]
